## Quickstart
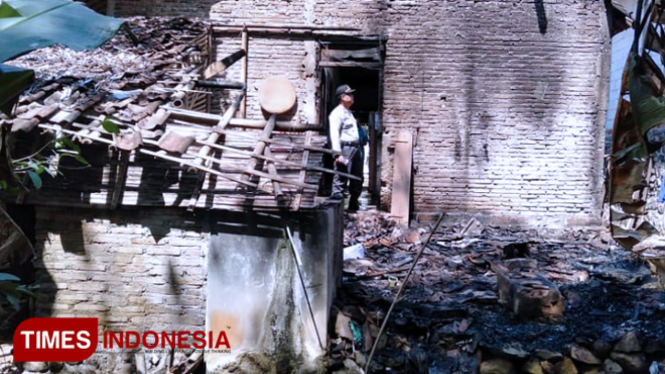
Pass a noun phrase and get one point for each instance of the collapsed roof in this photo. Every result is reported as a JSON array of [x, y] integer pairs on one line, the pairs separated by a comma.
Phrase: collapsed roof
[[148, 137]]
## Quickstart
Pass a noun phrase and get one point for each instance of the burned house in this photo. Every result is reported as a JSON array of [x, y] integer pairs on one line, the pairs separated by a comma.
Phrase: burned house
[[166, 201], [502, 102], [492, 109]]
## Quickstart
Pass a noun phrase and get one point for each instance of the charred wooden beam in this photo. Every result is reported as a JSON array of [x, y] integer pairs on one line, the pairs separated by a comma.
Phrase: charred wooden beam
[[121, 177], [244, 71], [220, 84], [351, 64], [218, 67]]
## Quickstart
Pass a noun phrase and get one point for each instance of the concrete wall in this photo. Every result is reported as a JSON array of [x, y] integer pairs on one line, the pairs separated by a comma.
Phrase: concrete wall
[[167, 269], [257, 297], [508, 112]]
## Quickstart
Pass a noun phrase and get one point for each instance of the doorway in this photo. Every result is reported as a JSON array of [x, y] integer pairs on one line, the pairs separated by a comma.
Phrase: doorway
[[360, 65]]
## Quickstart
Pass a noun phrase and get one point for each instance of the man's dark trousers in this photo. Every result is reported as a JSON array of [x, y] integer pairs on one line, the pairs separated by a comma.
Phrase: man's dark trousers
[[354, 166]]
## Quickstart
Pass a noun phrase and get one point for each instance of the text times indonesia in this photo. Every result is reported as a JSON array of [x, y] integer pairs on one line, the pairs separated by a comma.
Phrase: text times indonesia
[[76, 339]]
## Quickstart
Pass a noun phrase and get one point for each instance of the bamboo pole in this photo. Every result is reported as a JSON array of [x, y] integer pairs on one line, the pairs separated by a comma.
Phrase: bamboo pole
[[158, 155], [399, 292], [212, 139], [184, 114], [273, 171], [303, 173], [271, 158], [260, 146], [244, 72], [278, 143]]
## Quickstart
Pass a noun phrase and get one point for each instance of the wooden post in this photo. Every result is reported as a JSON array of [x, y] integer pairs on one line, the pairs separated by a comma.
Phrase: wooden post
[[270, 158], [401, 197], [97, 137], [120, 178], [273, 171], [205, 150], [260, 146], [245, 47], [303, 172]]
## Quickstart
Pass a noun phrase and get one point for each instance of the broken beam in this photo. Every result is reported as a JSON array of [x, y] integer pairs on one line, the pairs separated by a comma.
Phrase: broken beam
[[219, 66], [260, 145], [278, 143], [158, 155], [121, 177], [280, 161], [273, 171], [205, 150], [186, 115]]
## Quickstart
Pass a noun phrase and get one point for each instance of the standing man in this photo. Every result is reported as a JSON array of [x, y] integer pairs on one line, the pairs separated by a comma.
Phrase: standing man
[[344, 138]]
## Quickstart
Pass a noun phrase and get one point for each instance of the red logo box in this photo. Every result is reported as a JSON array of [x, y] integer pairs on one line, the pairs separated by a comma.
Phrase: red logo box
[[55, 339]]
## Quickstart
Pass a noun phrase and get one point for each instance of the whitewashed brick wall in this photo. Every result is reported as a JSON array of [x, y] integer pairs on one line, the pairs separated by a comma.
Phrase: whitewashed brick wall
[[133, 269], [508, 121]]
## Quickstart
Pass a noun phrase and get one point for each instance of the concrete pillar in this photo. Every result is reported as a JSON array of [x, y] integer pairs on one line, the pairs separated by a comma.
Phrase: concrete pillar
[[255, 294]]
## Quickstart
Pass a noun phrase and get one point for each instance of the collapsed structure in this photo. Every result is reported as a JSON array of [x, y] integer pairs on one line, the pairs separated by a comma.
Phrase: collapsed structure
[[195, 206], [200, 208]]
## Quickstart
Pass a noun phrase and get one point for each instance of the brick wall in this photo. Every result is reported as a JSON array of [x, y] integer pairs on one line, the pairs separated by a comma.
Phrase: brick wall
[[508, 121], [132, 270]]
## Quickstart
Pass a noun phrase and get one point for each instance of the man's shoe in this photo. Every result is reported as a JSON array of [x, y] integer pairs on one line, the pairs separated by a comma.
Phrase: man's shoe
[[353, 208]]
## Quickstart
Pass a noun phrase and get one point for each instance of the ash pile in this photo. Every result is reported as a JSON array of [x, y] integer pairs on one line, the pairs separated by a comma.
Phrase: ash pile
[[494, 301]]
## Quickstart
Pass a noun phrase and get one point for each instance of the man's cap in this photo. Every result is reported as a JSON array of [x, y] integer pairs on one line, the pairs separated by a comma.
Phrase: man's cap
[[343, 89]]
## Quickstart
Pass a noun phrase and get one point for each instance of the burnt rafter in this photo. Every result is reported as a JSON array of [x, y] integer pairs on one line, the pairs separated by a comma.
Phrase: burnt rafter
[[142, 115]]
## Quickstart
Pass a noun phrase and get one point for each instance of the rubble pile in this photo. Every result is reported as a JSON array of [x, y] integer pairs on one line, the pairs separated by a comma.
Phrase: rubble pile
[[490, 300], [119, 63]]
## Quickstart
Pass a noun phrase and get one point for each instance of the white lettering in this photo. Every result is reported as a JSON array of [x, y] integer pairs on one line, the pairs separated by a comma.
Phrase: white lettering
[[67, 337], [52, 342], [83, 340], [27, 335]]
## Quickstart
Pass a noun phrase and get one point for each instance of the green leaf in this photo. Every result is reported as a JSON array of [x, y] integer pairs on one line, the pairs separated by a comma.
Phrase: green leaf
[[4, 277], [82, 160], [36, 179], [37, 168], [6, 11], [111, 126], [3, 185], [13, 81], [15, 301], [68, 143], [22, 289], [47, 22], [648, 105]]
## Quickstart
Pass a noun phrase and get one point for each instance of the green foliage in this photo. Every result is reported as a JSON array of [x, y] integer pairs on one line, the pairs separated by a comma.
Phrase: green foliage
[[46, 160], [12, 292], [13, 81], [110, 124], [26, 25]]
